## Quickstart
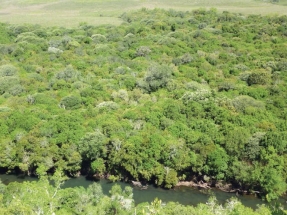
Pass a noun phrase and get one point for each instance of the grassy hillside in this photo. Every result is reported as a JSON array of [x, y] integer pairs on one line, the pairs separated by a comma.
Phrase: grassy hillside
[[72, 12]]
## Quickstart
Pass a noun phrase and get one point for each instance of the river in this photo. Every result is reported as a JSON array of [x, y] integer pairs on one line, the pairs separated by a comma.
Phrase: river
[[183, 195]]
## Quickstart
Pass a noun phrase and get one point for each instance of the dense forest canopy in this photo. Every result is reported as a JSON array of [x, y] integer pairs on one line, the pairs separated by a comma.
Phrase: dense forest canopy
[[164, 97]]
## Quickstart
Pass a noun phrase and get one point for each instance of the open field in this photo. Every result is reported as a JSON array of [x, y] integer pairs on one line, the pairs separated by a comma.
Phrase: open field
[[71, 12]]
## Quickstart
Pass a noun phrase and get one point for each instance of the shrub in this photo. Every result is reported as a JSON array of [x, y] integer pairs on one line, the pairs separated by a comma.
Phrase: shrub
[[15, 90], [185, 59], [41, 98], [242, 103], [68, 74], [122, 94], [7, 82], [142, 51], [156, 77], [201, 95], [6, 49], [202, 25], [253, 148], [7, 70], [259, 77], [54, 50], [98, 38], [226, 86], [70, 102], [108, 105]]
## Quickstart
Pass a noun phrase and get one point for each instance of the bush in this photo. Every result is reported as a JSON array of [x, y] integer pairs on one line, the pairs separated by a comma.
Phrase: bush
[[7, 70], [253, 148], [70, 102], [7, 83], [69, 74], [201, 95], [242, 103], [15, 90], [109, 105], [98, 38], [185, 59], [226, 86], [121, 94], [6, 49], [54, 50], [259, 77], [142, 51], [202, 25], [156, 77]]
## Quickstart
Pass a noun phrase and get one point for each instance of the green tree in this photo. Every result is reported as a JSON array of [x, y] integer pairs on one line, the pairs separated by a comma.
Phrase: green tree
[[156, 77], [93, 145], [70, 102], [217, 163]]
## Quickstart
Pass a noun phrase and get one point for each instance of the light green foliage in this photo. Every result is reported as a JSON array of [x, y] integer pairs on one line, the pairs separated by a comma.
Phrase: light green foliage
[[98, 166], [201, 95], [142, 51], [68, 74], [170, 177], [156, 77], [109, 105], [8, 70], [8, 83], [243, 103], [4, 36]]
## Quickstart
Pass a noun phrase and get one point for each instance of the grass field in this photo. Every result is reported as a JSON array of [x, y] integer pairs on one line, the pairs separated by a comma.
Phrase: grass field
[[72, 12]]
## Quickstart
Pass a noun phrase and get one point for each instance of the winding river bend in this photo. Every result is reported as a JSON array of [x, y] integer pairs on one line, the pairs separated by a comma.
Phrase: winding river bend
[[183, 195]]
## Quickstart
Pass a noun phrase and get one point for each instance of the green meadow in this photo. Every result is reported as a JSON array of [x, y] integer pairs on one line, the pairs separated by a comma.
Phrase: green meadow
[[70, 13]]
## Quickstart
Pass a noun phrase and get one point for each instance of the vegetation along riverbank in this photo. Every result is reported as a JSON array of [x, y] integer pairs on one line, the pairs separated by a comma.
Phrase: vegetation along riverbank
[[165, 97]]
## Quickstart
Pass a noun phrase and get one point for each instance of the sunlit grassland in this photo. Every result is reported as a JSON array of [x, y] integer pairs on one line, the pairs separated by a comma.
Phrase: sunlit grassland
[[72, 12], [283, 2]]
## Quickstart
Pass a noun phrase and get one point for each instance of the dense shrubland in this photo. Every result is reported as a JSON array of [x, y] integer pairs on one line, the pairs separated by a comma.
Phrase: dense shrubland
[[166, 96]]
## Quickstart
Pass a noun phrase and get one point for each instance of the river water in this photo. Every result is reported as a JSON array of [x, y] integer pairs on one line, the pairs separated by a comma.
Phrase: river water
[[183, 195]]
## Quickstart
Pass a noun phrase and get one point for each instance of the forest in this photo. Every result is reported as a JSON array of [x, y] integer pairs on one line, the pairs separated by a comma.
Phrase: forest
[[165, 97]]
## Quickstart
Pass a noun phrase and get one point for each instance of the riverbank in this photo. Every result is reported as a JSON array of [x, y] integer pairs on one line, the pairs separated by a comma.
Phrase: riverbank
[[184, 195], [221, 185]]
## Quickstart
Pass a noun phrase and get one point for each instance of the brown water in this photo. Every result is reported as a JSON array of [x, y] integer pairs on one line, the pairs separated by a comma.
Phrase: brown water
[[183, 195]]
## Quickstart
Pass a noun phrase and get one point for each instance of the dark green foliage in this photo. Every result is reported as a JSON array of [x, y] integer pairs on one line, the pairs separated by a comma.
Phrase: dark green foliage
[[70, 102], [217, 163], [93, 146]]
